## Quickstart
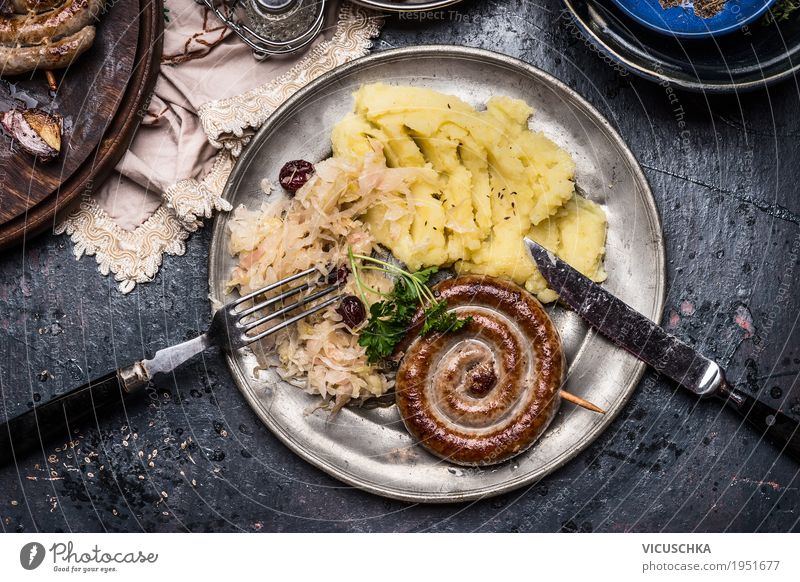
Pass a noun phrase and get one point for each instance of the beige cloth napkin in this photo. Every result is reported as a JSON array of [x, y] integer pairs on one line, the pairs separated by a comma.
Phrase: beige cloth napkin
[[210, 97]]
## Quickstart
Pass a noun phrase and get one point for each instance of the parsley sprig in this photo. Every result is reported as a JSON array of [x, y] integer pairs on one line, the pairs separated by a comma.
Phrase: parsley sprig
[[389, 318], [781, 11]]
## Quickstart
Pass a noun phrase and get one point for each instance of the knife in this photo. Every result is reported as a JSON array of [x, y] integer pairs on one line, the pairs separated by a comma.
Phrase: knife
[[632, 331]]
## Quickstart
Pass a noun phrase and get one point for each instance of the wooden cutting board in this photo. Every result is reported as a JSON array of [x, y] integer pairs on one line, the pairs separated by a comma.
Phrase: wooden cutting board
[[99, 97]]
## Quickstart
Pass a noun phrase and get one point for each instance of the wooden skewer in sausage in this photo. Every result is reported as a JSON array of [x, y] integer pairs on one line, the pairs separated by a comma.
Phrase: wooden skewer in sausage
[[52, 83], [581, 402]]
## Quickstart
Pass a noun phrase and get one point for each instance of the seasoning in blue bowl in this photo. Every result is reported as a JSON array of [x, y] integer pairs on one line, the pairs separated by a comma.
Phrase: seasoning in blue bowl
[[694, 18]]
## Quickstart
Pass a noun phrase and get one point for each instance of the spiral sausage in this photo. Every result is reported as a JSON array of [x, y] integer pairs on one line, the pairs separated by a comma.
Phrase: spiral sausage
[[487, 392]]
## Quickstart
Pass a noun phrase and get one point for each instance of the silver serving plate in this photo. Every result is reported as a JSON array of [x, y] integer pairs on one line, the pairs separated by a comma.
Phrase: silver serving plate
[[368, 447]]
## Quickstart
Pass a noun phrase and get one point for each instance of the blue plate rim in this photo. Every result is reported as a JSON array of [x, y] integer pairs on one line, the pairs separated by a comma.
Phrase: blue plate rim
[[599, 42], [695, 35]]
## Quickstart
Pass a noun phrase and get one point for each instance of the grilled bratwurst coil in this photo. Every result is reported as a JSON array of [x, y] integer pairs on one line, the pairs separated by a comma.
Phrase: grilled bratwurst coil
[[56, 55], [26, 6], [487, 392], [66, 20]]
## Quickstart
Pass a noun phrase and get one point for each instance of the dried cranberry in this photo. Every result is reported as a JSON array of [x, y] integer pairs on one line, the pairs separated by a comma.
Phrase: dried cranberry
[[338, 275], [295, 174], [352, 311]]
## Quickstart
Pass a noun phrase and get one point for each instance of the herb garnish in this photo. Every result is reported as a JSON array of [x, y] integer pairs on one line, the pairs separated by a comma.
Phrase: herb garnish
[[781, 11], [389, 319]]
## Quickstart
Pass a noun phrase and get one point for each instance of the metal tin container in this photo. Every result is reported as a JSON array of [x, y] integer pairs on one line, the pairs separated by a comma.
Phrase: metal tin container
[[272, 27]]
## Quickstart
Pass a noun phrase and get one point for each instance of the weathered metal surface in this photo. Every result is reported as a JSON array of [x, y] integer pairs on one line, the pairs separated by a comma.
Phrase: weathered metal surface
[[192, 456]]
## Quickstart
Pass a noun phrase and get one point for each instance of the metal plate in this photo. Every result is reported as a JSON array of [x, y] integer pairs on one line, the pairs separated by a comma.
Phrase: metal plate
[[752, 57], [406, 5], [369, 448]]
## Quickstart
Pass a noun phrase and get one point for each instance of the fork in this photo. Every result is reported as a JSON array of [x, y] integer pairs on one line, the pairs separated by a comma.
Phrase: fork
[[233, 326]]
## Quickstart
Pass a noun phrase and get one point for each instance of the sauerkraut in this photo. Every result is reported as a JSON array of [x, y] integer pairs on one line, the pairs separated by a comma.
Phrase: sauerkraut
[[314, 229]]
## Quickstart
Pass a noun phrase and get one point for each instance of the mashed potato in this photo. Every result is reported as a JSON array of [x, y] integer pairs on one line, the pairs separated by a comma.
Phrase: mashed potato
[[494, 181]]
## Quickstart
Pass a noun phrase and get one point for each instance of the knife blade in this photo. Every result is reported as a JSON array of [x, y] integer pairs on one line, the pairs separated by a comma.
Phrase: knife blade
[[632, 331]]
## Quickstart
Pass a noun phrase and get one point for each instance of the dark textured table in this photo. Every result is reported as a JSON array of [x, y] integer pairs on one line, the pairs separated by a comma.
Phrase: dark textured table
[[192, 456]]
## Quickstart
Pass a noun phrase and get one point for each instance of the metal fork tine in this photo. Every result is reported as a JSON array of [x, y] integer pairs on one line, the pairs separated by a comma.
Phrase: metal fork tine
[[272, 286], [277, 313], [272, 300], [291, 320]]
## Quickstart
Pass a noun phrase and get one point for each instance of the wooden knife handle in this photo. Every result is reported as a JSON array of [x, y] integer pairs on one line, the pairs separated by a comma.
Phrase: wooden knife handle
[[58, 417], [780, 429]]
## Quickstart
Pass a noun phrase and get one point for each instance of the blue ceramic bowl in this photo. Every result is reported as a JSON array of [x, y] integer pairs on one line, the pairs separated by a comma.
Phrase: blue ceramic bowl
[[681, 22]]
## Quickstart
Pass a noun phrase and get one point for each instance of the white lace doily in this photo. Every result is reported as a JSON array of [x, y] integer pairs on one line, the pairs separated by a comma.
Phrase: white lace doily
[[135, 256]]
